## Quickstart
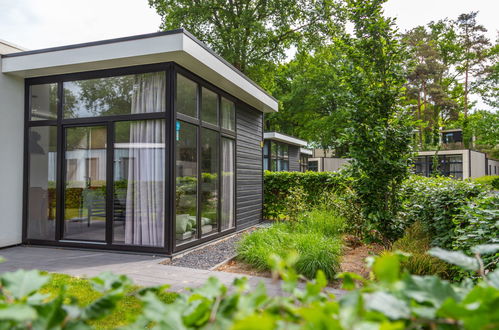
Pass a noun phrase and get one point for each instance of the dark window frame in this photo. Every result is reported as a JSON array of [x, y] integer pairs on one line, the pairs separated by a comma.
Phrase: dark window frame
[[170, 116], [269, 158]]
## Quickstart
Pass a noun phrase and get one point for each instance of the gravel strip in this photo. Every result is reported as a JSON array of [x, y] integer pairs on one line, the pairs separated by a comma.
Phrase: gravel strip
[[209, 256]]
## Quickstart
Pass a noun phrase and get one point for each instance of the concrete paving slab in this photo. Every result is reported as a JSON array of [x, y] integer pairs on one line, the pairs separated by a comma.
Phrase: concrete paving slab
[[144, 270]]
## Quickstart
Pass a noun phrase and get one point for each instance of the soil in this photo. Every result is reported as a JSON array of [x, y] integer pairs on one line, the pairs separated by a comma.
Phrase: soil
[[353, 260]]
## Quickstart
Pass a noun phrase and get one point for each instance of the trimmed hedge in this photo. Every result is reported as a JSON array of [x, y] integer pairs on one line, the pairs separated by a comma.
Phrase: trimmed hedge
[[278, 186], [490, 181]]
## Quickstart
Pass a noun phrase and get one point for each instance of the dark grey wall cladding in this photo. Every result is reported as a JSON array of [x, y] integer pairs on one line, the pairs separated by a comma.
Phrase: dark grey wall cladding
[[249, 183], [294, 158]]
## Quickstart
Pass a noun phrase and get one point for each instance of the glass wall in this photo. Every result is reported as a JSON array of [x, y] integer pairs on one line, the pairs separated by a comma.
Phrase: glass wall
[[205, 163], [139, 181], [446, 165], [113, 147], [186, 183], [42, 151]]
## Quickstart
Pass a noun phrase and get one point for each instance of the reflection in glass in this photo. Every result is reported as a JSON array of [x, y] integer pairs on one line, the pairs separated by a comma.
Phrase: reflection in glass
[[113, 95], [228, 114], [43, 101], [85, 185], [209, 181], [186, 183], [187, 96], [228, 191], [139, 183], [42, 182], [209, 106]]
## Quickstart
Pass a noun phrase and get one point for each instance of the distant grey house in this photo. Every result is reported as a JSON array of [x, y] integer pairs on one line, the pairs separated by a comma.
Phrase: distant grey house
[[148, 143], [284, 153]]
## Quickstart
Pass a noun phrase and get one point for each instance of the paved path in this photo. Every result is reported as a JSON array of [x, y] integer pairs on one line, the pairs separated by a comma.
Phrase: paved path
[[143, 269]]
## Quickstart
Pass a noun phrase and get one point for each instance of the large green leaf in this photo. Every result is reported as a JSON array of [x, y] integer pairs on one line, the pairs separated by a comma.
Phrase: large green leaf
[[455, 258], [485, 248], [387, 268], [22, 283], [17, 312], [387, 304]]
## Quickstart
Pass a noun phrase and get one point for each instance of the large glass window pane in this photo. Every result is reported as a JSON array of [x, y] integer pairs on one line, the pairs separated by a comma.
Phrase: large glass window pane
[[85, 185], [228, 191], [43, 100], [228, 114], [122, 95], [209, 106], [209, 181], [42, 182], [139, 183], [187, 96], [186, 183]]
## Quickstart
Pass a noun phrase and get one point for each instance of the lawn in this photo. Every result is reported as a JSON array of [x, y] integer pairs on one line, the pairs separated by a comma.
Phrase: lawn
[[81, 289]]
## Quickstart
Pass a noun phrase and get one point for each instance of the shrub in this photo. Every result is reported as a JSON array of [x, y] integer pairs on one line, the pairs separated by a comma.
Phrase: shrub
[[434, 202], [489, 181], [315, 237], [278, 186], [478, 223], [416, 241], [392, 301]]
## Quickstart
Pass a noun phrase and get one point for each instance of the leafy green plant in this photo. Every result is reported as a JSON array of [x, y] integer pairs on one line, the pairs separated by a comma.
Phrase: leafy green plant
[[434, 202], [392, 300], [416, 241], [478, 223], [489, 181], [279, 187]]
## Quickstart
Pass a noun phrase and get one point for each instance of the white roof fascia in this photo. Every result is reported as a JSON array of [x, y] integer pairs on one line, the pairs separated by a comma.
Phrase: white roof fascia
[[284, 138], [306, 151], [176, 46]]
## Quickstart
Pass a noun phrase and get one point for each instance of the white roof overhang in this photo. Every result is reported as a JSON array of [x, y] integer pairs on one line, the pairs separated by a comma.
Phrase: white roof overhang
[[172, 46], [284, 138]]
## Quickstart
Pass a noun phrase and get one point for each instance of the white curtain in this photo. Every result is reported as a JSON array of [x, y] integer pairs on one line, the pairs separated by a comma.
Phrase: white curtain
[[228, 193], [145, 213]]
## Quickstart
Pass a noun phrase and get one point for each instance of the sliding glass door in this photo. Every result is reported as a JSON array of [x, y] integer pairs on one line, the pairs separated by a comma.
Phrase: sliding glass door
[[85, 183]]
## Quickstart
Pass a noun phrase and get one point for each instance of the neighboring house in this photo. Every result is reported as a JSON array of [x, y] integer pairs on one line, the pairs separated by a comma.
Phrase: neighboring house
[[454, 160], [147, 143], [324, 161], [284, 153]]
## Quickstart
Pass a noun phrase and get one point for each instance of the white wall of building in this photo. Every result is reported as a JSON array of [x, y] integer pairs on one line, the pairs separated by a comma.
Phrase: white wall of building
[[11, 162], [478, 163]]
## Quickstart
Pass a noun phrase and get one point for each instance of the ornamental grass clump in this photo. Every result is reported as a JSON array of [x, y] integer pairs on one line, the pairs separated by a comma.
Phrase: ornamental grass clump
[[315, 237]]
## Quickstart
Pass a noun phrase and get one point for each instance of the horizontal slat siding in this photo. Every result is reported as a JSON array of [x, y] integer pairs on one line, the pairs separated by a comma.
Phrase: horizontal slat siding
[[294, 158], [249, 201]]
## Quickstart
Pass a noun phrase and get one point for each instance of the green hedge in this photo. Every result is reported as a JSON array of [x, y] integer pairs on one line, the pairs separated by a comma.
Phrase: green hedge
[[279, 185], [490, 181], [435, 202]]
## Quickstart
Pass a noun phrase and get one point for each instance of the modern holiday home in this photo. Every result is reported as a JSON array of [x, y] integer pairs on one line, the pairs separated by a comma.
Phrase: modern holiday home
[[284, 153], [147, 143]]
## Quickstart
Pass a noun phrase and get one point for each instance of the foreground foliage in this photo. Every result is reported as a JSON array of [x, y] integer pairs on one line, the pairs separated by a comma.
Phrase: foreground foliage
[[393, 300], [315, 237]]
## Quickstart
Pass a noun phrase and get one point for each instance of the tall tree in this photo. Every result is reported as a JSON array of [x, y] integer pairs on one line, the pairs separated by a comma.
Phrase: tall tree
[[253, 35], [379, 131], [474, 47]]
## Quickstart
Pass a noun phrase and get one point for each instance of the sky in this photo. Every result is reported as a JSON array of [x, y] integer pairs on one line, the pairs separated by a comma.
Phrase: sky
[[34, 24]]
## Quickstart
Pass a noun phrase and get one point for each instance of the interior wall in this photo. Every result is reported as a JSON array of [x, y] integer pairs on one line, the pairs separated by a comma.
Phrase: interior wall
[[11, 163]]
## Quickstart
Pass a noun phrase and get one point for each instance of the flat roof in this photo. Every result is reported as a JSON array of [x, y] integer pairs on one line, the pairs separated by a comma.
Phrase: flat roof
[[178, 46], [276, 136]]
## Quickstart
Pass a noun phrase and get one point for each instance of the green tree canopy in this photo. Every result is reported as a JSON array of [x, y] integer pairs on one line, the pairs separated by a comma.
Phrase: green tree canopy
[[253, 35]]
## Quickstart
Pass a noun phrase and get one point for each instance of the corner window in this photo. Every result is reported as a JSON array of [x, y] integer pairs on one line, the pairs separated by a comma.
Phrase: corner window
[[279, 158]]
